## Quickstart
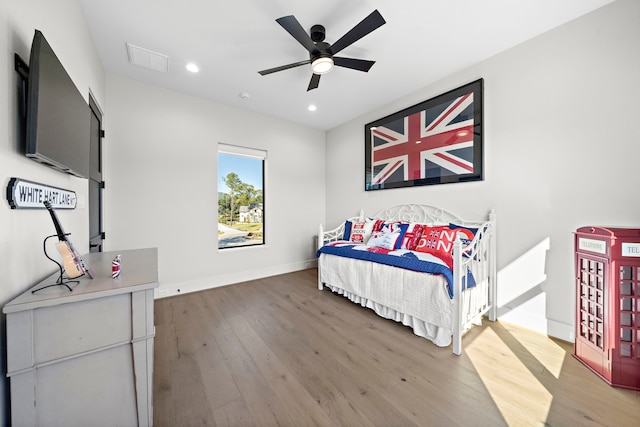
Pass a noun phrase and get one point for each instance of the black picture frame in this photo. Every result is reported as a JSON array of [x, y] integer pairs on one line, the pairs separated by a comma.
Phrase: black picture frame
[[448, 133]]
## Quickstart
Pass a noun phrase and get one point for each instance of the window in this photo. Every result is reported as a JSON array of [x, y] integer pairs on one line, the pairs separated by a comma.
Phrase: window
[[240, 196]]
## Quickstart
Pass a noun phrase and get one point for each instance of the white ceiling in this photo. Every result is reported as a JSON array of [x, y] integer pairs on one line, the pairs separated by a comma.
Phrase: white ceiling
[[422, 42]]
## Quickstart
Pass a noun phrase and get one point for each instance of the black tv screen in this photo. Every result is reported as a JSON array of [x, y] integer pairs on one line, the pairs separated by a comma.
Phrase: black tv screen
[[58, 118]]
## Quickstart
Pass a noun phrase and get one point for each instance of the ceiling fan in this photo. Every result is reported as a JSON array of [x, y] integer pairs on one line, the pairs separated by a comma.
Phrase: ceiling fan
[[321, 54]]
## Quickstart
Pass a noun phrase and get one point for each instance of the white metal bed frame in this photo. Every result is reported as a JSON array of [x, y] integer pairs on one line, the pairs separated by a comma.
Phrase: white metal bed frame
[[469, 305]]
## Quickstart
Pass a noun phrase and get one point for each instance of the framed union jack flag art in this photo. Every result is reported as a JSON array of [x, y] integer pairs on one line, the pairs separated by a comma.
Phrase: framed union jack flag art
[[438, 141]]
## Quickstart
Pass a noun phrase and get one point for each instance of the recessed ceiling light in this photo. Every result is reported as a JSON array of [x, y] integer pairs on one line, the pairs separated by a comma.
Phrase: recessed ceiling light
[[192, 67], [312, 108]]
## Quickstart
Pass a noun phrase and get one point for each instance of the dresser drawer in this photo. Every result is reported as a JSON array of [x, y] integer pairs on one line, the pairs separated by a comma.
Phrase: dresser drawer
[[68, 329]]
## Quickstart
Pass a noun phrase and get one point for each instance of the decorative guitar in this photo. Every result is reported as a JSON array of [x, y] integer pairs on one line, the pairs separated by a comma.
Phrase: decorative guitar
[[73, 263]]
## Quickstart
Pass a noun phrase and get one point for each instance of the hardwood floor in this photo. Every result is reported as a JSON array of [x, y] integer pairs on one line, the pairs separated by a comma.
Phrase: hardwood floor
[[277, 351]]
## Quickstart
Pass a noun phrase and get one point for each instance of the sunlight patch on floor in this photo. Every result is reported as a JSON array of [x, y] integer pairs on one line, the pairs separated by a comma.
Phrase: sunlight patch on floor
[[518, 395], [552, 357]]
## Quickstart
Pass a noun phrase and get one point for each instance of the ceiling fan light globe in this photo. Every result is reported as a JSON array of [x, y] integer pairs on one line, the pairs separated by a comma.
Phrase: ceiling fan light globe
[[322, 65]]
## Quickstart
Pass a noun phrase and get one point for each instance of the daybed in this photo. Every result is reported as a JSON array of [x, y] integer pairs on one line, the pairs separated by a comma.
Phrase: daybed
[[416, 264]]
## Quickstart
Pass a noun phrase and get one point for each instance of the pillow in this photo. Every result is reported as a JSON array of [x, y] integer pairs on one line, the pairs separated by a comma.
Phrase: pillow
[[358, 232], [439, 240], [394, 227], [384, 239], [467, 234], [381, 228], [412, 236], [436, 239]]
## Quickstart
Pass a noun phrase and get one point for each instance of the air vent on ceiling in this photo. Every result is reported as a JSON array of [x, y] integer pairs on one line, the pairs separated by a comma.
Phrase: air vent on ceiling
[[147, 58]]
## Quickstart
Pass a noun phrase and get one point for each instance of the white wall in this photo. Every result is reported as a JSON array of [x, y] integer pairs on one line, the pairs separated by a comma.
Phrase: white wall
[[561, 151], [22, 230], [160, 156]]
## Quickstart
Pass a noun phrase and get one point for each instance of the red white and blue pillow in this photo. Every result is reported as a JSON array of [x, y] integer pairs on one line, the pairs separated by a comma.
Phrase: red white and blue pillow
[[439, 240], [358, 231], [387, 235], [412, 237]]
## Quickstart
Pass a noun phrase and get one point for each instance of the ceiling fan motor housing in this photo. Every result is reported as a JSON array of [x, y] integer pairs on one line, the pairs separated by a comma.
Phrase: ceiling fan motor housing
[[323, 51], [317, 33]]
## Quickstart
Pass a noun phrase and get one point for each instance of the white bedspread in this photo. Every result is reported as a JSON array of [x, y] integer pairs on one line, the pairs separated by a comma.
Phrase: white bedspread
[[422, 303]]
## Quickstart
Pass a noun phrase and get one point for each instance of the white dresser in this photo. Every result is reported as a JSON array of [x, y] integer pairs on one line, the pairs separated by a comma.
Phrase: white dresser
[[85, 357]]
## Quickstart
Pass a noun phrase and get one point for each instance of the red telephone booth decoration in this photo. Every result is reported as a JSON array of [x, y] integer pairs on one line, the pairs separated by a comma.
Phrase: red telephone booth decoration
[[608, 303]]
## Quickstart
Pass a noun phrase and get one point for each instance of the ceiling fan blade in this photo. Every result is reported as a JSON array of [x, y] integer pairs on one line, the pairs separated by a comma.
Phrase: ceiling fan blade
[[354, 64], [293, 27], [315, 81], [367, 25], [284, 67]]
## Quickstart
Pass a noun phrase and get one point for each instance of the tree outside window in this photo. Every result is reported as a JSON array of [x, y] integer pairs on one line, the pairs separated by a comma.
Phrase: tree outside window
[[240, 196]]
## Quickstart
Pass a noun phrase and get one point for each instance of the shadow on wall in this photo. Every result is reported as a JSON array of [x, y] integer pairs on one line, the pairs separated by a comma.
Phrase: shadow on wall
[[520, 294]]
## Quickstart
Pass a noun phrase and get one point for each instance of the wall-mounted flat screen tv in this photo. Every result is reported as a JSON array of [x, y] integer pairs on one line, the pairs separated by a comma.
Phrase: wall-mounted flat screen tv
[[58, 118]]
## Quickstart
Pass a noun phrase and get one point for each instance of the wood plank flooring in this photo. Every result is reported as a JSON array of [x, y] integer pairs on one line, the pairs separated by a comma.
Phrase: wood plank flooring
[[278, 352]]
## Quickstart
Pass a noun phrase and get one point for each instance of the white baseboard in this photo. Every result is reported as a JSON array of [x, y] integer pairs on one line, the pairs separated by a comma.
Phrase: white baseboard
[[561, 330], [540, 324], [178, 288]]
